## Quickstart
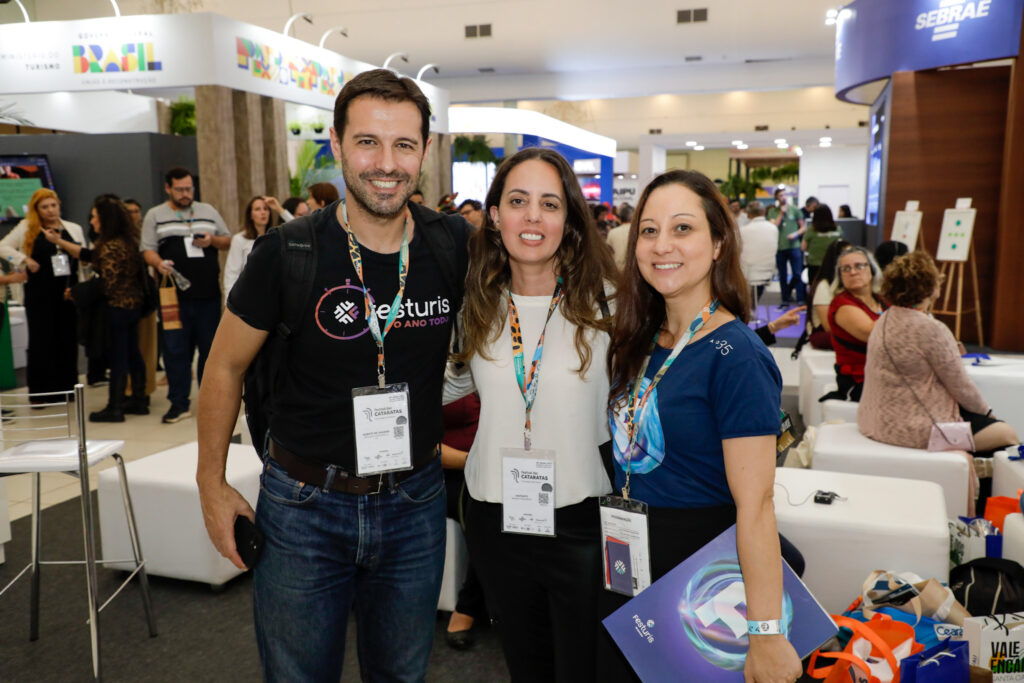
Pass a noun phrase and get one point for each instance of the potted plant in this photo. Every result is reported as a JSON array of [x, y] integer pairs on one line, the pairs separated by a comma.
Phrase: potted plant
[[465, 148], [318, 126], [183, 116], [295, 127]]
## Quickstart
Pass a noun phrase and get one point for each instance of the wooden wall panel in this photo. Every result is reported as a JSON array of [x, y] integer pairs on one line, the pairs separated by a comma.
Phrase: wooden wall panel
[[1007, 322], [946, 141]]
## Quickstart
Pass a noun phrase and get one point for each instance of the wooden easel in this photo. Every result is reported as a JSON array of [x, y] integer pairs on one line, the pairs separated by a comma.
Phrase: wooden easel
[[954, 270]]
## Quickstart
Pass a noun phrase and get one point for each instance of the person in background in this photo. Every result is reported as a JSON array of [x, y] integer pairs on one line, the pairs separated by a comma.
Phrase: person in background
[[698, 436], [851, 316], [149, 326], [284, 214], [823, 232], [92, 320], [416, 197], [759, 240], [844, 211], [447, 203], [818, 331], [185, 235], [790, 223], [52, 321], [135, 213], [810, 205], [473, 212], [625, 212], [887, 252], [115, 257], [257, 218], [321, 195], [739, 215], [538, 272], [296, 206], [914, 377]]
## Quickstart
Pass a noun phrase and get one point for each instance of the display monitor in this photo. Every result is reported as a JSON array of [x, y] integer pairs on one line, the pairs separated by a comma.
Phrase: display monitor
[[877, 159], [20, 176]]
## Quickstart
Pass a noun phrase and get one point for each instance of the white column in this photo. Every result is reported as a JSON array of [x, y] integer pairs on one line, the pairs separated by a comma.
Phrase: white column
[[652, 162]]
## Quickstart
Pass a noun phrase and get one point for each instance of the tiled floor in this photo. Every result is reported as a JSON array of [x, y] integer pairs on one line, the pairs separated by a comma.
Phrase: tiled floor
[[143, 435]]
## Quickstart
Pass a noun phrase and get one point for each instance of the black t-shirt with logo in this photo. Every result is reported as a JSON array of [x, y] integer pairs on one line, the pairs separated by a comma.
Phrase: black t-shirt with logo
[[332, 351]]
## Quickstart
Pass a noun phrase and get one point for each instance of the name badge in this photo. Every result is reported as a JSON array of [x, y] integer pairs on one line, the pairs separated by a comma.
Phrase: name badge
[[528, 491], [191, 250], [61, 264], [382, 429], [625, 545]]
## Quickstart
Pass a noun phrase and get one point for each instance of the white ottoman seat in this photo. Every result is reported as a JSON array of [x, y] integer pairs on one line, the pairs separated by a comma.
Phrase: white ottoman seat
[[884, 523], [1007, 475], [842, 448], [817, 378], [168, 514], [834, 410]]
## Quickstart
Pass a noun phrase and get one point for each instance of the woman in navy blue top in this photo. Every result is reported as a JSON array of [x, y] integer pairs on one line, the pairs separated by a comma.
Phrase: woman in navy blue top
[[704, 455]]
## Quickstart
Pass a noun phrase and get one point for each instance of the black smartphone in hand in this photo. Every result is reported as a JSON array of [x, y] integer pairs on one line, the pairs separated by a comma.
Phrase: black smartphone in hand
[[248, 541]]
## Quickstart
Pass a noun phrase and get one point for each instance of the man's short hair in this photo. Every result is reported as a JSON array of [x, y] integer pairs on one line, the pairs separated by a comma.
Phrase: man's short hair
[[382, 84], [777, 191], [755, 209], [134, 202], [417, 191], [177, 173], [811, 200], [477, 206]]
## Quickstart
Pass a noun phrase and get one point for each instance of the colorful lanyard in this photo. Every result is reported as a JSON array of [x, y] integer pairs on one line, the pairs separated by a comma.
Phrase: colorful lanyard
[[191, 217], [637, 402], [528, 383], [396, 304]]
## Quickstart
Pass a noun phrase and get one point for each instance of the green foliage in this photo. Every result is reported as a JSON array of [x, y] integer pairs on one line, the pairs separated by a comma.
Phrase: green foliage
[[309, 170], [776, 174], [183, 116], [738, 186], [472, 149]]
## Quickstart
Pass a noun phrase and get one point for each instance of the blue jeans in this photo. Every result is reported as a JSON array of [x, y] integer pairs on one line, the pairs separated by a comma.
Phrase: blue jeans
[[325, 550], [199, 320], [795, 259]]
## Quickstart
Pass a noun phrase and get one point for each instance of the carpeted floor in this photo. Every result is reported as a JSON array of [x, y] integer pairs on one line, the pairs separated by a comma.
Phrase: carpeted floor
[[204, 635]]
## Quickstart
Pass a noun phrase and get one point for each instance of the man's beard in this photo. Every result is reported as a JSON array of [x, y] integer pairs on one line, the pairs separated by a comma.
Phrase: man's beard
[[182, 203], [357, 190]]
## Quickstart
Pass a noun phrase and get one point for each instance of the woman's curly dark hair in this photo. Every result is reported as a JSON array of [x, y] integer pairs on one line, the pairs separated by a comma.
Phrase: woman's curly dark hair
[[909, 280]]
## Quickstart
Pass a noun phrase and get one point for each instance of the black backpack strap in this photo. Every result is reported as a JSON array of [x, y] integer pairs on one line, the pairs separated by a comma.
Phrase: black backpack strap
[[447, 237], [298, 269]]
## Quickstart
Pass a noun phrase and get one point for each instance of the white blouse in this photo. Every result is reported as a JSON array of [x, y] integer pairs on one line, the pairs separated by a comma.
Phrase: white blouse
[[569, 414]]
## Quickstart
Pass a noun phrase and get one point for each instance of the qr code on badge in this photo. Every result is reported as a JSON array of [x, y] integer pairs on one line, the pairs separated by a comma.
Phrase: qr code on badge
[[542, 497], [400, 431]]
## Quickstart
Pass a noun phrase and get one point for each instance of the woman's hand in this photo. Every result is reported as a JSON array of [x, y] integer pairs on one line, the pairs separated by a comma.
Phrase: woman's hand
[[52, 236], [787, 319], [273, 204], [771, 659], [16, 277], [31, 264]]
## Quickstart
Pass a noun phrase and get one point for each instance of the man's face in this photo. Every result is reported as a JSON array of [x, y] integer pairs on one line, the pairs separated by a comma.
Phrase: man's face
[[780, 197], [381, 151], [180, 192], [416, 198], [135, 211], [474, 216], [734, 206]]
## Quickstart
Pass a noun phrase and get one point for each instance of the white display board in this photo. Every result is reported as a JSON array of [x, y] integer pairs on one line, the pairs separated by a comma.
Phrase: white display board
[[906, 226], [179, 51], [955, 238]]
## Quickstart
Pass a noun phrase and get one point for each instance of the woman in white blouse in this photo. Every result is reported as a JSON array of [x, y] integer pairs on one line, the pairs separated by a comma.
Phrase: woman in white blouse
[[257, 218], [535, 336]]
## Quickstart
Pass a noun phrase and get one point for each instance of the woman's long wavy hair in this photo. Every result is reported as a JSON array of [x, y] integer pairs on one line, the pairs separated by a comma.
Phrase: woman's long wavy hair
[[249, 225], [115, 221], [583, 261], [32, 219], [641, 309]]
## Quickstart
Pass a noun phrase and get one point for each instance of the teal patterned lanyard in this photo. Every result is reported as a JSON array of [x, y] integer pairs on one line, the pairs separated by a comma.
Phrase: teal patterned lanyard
[[396, 304], [637, 402], [528, 384]]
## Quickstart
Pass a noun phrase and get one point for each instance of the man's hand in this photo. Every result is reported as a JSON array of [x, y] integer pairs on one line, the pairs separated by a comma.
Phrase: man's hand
[[771, 659], [31, 264], [794, 235], [202, 240], [221, 505], [165, 267]]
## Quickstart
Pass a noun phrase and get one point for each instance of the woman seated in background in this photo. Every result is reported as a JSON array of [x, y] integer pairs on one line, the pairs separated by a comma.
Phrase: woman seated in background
[[887, 252], [52, 320], [818, 331], [822, 233], [914, 376], [851, 316], [116, 258], [698, 436], [257, 218], [321, 195]]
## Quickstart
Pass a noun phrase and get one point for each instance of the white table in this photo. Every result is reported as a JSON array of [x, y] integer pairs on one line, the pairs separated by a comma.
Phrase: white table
[[1001, 382], [167, 512], [817, 378], [884, 523], [842, 448]]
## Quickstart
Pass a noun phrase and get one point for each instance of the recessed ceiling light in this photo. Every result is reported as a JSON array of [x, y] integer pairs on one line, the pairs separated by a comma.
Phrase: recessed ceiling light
[[799, 151], [737, 142], [779, 141], [597, 177], [832, 14], [782, 145], [825, 139], [825, 144], [698, 148], [691, 143], [742, 146]]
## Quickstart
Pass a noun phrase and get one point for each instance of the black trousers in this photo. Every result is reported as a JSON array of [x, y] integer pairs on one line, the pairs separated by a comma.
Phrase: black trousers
[[542, 591], [471, 600]]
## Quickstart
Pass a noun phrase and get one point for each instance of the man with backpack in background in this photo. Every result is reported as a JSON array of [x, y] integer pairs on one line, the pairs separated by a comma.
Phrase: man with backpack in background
[[356, 304]]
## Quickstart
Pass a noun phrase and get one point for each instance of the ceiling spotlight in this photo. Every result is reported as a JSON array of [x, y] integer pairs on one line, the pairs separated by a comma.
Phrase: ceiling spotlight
[[832, 14], [24, 12], [691, 143], [401, 55], [295, 17], [117, 10], [698, 148], [340, 29], [419, 74]]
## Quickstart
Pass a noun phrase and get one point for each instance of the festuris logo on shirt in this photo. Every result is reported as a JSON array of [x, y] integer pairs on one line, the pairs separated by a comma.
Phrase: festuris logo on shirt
[[341, 312]]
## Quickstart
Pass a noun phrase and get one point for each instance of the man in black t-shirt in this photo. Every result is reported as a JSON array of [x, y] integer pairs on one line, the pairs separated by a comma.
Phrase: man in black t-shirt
[[341, 529], [185, 235]]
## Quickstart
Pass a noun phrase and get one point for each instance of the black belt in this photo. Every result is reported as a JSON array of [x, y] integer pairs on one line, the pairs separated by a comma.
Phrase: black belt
[[311, 473]]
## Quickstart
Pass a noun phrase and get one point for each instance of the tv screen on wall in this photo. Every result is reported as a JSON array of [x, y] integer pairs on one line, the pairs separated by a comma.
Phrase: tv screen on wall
[[877, 159], [20, 176]]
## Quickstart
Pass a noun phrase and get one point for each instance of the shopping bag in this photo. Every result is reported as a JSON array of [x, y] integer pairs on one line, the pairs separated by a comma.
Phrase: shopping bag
[[927, 631], [997, 507], [169, 314], [947, 662], [909, 593], [996, 643], [968, 539], [872, 655]]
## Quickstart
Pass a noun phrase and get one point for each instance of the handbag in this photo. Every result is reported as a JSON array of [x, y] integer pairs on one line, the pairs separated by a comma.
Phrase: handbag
[[150, 293], [169, 314], [947, 662], [945, 436], [909, 593], [88, 293], [872, 654]]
